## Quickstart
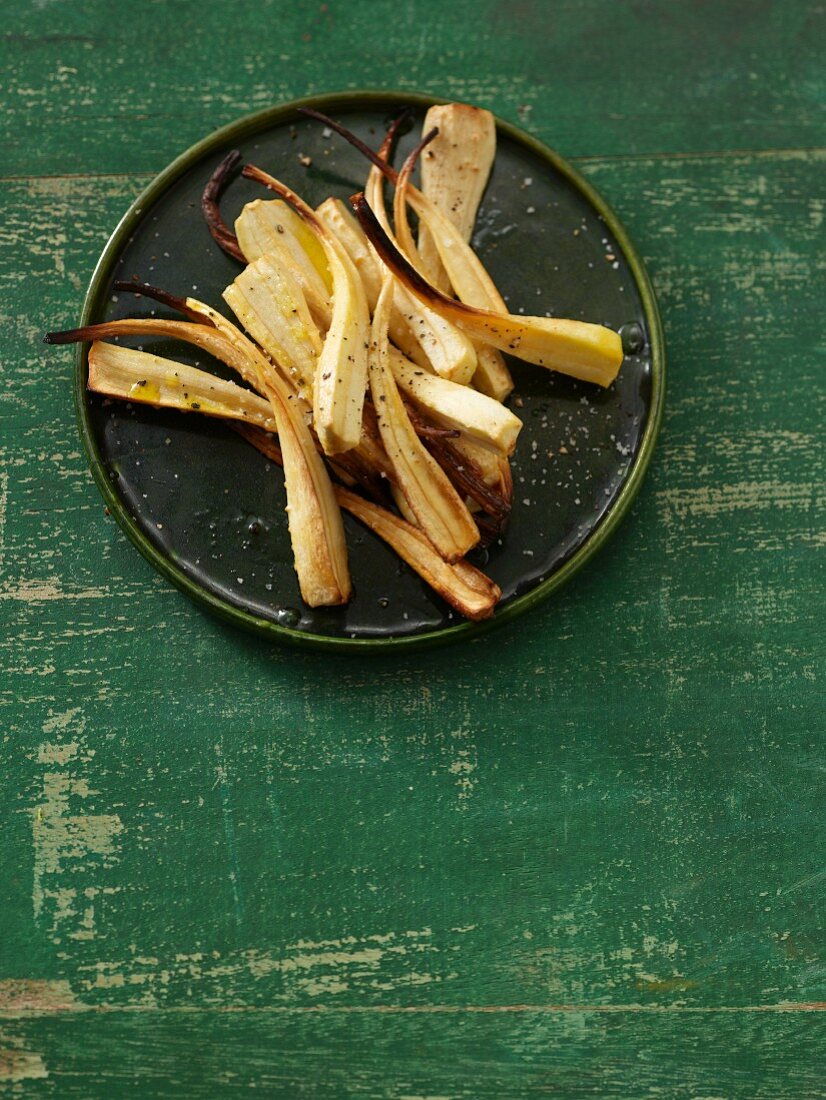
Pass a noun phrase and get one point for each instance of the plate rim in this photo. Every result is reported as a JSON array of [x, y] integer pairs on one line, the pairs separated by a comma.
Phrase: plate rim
[[245, 127]]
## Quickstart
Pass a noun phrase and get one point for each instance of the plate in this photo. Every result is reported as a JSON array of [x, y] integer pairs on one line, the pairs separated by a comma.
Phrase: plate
[[208, 511]]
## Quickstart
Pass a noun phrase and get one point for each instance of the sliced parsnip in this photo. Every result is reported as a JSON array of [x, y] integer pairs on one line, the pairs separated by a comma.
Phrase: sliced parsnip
[[488, 461], [341, 372], [268, 301], [448, 350], [455, 169], [316, 528], [340, 220], [491, 376], [439, 510], [293, 223], [454, 406], [117, 371], [590, 352], [462, 585], [263, 230]]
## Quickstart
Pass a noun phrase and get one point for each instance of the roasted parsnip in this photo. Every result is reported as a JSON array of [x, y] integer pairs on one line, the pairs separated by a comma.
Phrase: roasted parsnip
[[117, 371], [590, 352], [454, 406], [263, 230], [268, 301], [439, 510], [341, 371], [455, 170]]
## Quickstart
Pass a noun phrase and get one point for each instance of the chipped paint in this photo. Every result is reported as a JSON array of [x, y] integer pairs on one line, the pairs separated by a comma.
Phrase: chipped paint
[[743, 496], [4, 500], [36, 995], [67, 841], [39, 591], [17, 1065], [305, 968]]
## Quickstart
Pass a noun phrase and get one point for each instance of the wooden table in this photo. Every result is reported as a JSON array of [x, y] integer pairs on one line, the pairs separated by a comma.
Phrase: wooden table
[[582, 856]]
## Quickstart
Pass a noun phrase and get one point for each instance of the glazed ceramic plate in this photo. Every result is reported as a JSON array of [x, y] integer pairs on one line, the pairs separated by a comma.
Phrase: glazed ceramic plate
[[208, 511]]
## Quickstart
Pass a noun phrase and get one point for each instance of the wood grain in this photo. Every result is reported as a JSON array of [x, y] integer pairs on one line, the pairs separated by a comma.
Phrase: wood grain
[[401, 1056], [580, 856], [588, 76]]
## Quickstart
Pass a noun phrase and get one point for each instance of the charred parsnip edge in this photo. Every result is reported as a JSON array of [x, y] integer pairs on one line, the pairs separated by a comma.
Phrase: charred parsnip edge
[[439, 510], [589, 352], [124, 373], [461, 585], [314, 518]]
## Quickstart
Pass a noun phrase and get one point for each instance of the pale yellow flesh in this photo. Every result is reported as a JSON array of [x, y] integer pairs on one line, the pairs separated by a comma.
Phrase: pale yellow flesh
[[455, 168], [459, 407], [263, 229], [448, 350], [492, 464], [340, 221], [306, 239], [492, 376], [592, 353], [463, 586], [316, 527], [439, 510], [117, 371], [269, 303], [341, 372]]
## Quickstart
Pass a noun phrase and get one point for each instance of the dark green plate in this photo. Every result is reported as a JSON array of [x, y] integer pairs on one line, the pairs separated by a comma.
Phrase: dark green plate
[[208, 511]]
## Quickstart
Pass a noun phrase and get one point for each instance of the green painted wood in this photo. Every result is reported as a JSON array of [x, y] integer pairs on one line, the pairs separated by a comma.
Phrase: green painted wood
[[580, 856], [410, 1056], [590, 77]]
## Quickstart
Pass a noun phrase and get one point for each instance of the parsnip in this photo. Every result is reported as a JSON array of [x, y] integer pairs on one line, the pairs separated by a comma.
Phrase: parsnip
[[263, 230], [339, 220], [455, 170], [117, 371], [439, 510], [453, 406], [590, 352], [341, 371], [461, 584], [268, 301]]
